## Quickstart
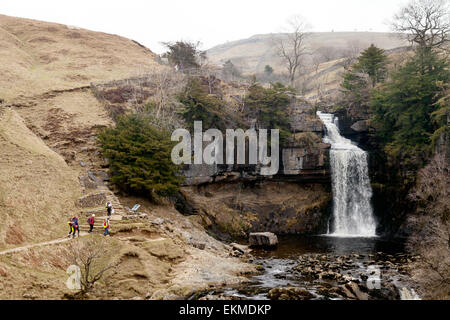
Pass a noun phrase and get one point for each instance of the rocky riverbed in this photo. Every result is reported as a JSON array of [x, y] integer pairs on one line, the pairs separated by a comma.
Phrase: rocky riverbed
[[363, 275]]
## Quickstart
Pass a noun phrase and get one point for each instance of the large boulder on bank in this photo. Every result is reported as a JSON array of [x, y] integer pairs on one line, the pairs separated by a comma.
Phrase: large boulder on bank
[[263, 239], [360, 126]]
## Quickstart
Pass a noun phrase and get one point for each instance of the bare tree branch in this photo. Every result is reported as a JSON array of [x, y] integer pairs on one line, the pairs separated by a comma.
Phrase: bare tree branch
[[291, 46], [93, 256], [425, 23]]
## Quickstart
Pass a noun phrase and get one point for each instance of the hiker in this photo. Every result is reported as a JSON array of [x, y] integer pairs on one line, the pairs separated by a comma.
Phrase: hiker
[[75, 227], [109, 208], [91, 222], [106, 227], [69, 223]]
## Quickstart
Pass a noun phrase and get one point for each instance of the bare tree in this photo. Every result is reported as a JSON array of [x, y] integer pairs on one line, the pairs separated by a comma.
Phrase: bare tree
[[327, 53], [424, 22], [430, 238], [291, 46], [93, 257], [316, 62], [432, 190], [353, 50], [157, 88]]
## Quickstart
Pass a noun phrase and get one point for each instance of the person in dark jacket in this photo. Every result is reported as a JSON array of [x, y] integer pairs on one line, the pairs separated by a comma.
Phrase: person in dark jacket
[[91, 222], [108, 208], [75, 226]]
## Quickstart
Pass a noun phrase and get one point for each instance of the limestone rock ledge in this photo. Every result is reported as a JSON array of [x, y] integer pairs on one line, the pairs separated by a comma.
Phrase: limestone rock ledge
[[234, 209]]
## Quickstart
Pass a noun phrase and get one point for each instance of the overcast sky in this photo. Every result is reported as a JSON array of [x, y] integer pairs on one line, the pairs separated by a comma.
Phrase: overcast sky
[[210, 21]]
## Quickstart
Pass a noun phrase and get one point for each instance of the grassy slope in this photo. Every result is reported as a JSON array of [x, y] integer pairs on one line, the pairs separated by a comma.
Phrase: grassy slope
[[36, 57], [44, 135], [254, 53], [37, 188]]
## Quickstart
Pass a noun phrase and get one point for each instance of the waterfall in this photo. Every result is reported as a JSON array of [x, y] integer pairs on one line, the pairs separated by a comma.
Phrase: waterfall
[[352, 211]]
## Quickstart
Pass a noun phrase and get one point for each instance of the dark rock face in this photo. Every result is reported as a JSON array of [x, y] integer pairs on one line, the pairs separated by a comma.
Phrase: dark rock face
[[263, 239], [182, 204], [360, 126], [355, 127], [234, 209], [234, 200], [304, 157]]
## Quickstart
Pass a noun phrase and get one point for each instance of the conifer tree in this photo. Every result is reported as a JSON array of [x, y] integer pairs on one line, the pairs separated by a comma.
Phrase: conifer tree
[[198, 105], [140, 157], [269, 106], [406, 107], [366, 73]]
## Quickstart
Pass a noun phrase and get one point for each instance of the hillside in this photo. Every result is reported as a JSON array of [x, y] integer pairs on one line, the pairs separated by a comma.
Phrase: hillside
[[206, 236], [36, 57], [36, 186], [51, 169], [46, 71], [253, 54], [326, 79]]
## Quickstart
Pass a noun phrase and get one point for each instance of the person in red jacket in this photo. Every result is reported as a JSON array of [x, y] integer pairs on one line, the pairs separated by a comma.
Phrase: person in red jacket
[[91, 222], [106, 227]]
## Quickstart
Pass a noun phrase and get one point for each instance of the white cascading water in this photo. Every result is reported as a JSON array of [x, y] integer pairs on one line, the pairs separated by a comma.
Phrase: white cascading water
[[352, 211]]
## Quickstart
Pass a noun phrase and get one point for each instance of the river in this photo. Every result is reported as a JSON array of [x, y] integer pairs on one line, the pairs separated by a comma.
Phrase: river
[[378, 263]]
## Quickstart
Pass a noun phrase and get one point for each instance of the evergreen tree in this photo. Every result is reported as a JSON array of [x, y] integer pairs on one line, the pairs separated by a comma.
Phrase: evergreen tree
[[372, 62], [270, 107], [404, 107], [230, 70], [185, 54], [268, 70], [201, 106], [366, 73], [140, 157]]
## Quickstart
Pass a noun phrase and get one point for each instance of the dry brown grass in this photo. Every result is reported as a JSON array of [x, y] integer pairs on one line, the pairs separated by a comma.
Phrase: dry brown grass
[[36, 57], [38, 189], [254, 53], [48, 130]]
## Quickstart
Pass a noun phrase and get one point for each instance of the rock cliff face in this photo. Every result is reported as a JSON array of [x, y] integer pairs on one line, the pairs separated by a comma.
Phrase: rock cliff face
[[234, 209], [233, 200], [303, 158]]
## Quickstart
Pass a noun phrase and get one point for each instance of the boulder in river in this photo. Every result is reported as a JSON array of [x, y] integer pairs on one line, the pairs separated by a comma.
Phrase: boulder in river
[[263, 239], [290, 293], [356, 290]]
